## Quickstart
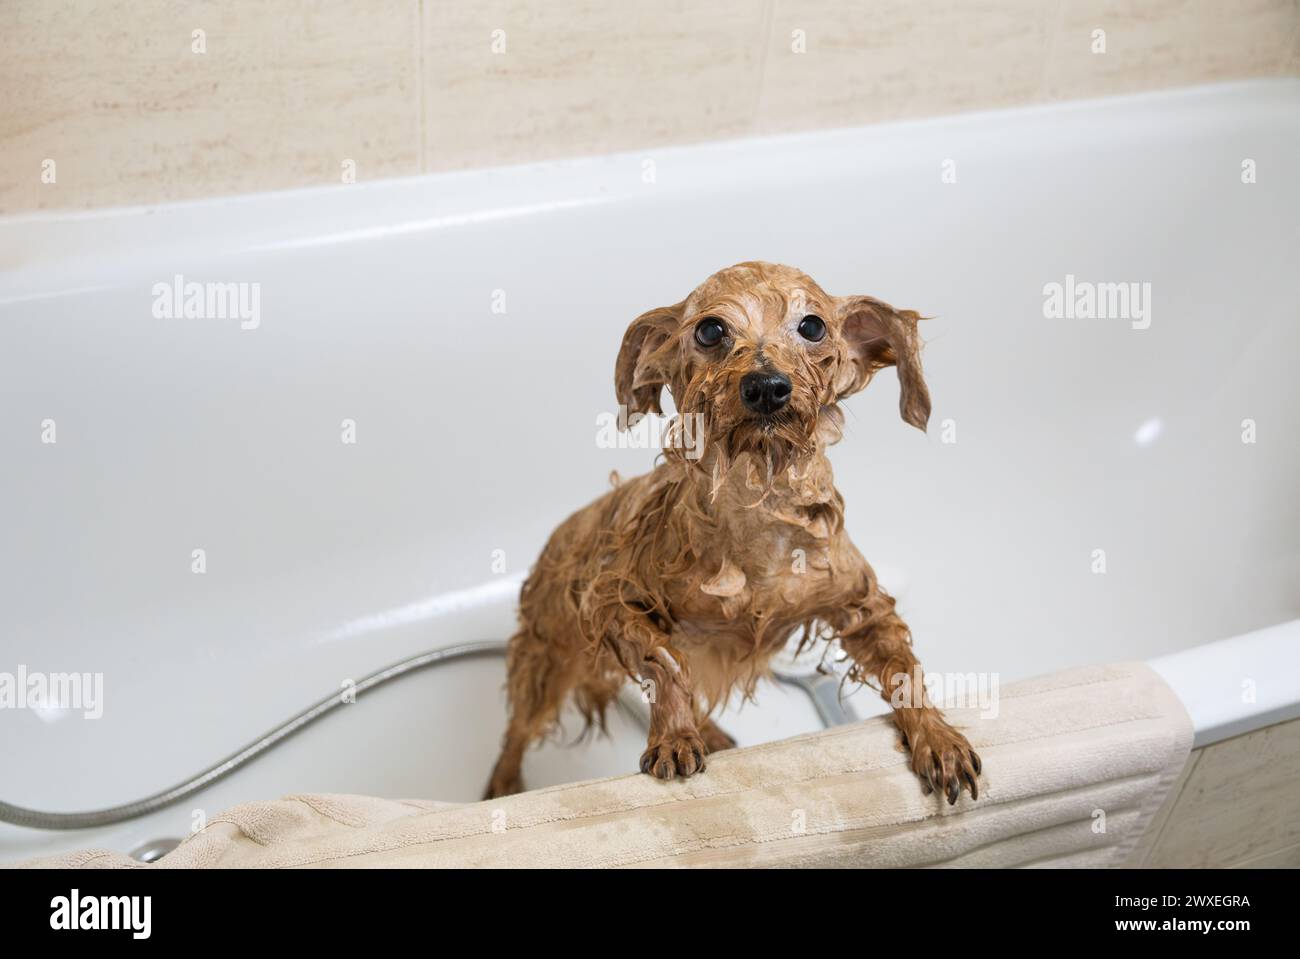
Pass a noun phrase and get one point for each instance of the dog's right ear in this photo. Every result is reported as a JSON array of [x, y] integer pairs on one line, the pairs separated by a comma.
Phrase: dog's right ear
[[646, 359]]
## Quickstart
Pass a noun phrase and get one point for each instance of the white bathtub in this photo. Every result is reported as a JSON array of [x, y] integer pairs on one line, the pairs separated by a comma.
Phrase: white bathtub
[[476, 432]]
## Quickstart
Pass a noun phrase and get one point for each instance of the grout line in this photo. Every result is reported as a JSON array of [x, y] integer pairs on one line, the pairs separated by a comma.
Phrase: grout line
[[1171, 803], [1054, 33], [421, 135], [1291, 47], [765, 45]]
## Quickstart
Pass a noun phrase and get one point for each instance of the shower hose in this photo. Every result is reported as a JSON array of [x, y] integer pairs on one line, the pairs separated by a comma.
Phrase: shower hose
[[821, 689]]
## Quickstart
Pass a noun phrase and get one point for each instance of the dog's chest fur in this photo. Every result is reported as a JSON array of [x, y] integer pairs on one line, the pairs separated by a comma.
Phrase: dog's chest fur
[[772, 560]]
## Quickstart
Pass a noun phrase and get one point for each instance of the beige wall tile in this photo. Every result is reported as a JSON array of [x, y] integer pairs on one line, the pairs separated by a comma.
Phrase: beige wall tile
[[585, 76], [1148, 841], [866, 62], [1239, 804], [1291, 67], [112, 92], [1168, 43], [1288, 858], [288, 90]]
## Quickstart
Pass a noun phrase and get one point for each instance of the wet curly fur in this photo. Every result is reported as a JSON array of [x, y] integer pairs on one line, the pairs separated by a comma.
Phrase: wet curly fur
[[687, 580]]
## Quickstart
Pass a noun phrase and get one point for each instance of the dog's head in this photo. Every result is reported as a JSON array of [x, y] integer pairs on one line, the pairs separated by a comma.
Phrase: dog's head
[[762, 356]]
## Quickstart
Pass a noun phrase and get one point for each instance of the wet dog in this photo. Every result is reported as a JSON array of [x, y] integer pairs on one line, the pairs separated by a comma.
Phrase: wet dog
[[687, 580]]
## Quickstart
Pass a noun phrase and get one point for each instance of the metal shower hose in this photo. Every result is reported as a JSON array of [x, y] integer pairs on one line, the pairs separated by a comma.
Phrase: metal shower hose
[[36, 819]]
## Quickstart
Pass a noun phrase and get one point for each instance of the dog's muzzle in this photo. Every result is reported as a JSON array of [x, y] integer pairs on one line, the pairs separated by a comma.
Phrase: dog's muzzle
[[765, 392]]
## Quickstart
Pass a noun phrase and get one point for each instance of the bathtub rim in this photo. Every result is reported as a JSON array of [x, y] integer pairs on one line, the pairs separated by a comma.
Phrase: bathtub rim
[[1208, 680]]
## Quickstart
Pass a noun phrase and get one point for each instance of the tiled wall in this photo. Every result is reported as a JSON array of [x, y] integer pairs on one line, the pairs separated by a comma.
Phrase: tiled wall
[[300, 92], [1235, 805]]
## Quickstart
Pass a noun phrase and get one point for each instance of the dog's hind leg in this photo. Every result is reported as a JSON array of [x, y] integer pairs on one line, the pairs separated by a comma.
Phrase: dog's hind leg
[[507, 776], [715, 737], [536, 686]]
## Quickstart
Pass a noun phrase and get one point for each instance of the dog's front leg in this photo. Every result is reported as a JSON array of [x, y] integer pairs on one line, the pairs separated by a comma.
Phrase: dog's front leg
[[880, 645], [675, 746]]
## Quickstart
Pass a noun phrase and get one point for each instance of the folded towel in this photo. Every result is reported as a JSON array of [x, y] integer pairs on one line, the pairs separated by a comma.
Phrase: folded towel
[[1076, 764]]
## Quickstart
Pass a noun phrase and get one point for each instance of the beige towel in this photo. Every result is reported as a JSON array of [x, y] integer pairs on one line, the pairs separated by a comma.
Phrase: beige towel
[[1075, 766]]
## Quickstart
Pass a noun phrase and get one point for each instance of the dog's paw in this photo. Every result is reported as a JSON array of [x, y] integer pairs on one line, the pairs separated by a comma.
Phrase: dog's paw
[[678, 754], [943, 760]]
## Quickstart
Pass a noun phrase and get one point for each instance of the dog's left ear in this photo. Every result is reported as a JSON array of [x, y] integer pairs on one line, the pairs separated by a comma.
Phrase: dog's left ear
[[646, 359], [878, 336]]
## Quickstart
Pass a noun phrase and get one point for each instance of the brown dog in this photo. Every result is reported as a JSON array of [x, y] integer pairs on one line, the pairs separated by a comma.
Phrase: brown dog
[[687, 580]]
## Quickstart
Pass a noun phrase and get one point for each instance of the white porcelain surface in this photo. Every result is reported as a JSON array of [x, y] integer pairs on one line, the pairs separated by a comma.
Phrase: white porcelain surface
[[1237, 685], [476, 431]]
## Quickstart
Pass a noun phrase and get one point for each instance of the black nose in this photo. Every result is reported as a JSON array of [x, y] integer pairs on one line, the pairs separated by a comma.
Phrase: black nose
[[765, 392]]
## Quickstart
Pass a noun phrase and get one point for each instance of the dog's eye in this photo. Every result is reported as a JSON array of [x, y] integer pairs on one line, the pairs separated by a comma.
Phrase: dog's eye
[[812, 328], [709, 332]]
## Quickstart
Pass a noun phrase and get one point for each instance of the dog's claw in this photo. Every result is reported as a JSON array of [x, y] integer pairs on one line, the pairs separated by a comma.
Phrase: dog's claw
[[944, 762], [680, 754]]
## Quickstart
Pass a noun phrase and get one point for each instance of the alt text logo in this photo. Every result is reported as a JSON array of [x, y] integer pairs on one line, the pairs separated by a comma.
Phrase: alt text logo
[[102, 912]]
